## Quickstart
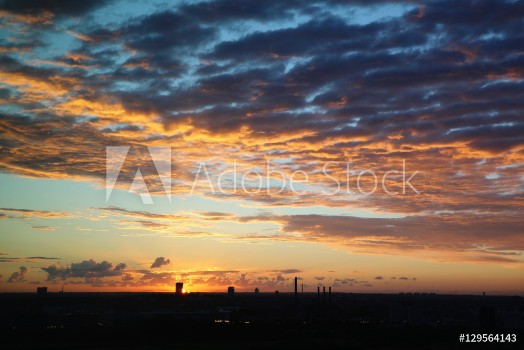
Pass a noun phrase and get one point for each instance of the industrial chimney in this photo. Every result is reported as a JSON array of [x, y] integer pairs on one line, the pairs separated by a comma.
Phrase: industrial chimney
[[296, 289]]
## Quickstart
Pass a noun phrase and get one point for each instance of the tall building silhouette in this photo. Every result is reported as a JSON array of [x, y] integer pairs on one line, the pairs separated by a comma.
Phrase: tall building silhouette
[[179, 288]]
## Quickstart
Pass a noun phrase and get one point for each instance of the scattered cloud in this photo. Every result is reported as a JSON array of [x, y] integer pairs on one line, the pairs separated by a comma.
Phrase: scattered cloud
[[8, 259], [29, 258], [87, 269], [461, 237], [18, 276], [44, 228], [159, 262], [287, 271], [30, 213]]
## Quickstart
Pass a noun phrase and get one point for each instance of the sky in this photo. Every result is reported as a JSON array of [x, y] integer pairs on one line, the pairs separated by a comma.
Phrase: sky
[[367, 146]]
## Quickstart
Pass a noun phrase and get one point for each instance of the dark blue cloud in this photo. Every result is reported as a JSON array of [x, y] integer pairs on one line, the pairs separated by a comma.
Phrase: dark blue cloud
[[75, 8], [438, 75]]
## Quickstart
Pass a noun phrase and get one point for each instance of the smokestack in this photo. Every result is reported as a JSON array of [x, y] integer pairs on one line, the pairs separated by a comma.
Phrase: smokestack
[[324, 294], [302, 288], [318, 294], [330, 294], [296, 289]]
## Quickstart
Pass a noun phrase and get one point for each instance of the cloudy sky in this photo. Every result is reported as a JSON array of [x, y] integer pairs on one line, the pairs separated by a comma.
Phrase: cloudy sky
[[348, 99]]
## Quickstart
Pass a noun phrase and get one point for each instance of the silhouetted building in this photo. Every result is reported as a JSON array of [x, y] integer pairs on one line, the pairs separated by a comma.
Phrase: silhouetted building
[[231, 291], [257, 290], [41, 290], [179, 288], [352, 320]]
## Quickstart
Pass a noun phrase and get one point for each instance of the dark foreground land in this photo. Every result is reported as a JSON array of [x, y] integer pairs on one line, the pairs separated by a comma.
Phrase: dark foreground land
[[256, 321]]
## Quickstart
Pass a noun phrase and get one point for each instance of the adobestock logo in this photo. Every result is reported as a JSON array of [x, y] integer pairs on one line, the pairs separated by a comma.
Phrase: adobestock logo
[[146, 171], [143, 170], [271, 181]]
